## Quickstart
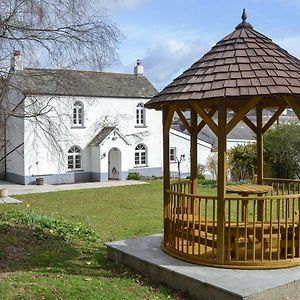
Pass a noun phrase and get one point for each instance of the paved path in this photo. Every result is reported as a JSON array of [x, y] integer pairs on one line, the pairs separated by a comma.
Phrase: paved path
[[9, 200], [17, 189]]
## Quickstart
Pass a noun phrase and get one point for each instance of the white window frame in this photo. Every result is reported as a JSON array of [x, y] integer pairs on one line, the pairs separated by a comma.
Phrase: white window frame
[[141, 155], [74, 159], [173, 159], [78, 114], [140, 117]]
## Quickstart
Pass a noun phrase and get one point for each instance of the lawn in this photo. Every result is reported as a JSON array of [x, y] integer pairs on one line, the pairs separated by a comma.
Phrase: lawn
[[48, 264]]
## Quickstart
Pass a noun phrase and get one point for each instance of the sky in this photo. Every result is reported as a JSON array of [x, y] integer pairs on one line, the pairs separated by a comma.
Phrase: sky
[[170, 35]]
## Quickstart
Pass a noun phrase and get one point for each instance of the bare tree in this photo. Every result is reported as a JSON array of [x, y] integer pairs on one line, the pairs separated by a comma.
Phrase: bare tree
[[64, 32], [60, 33], [179, 161], [212, 165]]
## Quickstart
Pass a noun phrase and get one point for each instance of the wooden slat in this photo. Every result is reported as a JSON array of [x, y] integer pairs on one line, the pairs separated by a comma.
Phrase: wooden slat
[[194, 153], [222, 174], [273, 119], [184, 120], [260, 156], [242, 113], [202, 123], [167, 119], [208, 120], [254, 228]]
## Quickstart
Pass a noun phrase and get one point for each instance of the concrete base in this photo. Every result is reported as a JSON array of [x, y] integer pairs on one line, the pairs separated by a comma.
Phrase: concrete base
[[146, 256]]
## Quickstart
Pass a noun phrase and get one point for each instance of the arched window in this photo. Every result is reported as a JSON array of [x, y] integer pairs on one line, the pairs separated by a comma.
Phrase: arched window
[[140, 155], [140, 115], [74, 158], [78, 113]]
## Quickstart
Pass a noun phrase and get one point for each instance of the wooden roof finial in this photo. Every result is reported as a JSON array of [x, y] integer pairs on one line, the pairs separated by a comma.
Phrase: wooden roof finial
[[244, 24], [244, 15]]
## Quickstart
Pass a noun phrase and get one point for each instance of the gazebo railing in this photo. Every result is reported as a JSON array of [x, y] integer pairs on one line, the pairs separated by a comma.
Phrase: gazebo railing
[[265, 238], [271, 238], [192, 224], [283, 186]]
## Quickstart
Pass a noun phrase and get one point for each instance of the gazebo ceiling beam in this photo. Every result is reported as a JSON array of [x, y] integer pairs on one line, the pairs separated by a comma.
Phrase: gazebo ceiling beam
[[210, 114], [247, 122], [184, 120], [206, 118], [274, 118], [242, 113], [295, 105], [168, 119]]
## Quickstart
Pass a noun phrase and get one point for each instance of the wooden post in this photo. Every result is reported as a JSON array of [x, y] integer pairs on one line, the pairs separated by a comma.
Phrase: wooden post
[[260, 156], [167, 119], [222, 170], [193, 149]]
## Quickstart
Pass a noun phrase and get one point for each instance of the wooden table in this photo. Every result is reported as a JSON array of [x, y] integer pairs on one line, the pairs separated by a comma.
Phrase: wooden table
[[249, 189]]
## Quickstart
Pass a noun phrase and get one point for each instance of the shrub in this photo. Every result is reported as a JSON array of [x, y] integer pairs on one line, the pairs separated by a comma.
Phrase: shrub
[[208, 182], [282, 151], [134, 176], [242, 162]]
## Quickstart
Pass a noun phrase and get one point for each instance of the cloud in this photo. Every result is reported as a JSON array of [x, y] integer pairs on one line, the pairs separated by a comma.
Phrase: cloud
[[166, 60], [169, 59]]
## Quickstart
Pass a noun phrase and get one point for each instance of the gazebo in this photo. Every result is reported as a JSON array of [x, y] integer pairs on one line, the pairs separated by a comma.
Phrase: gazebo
[[259, 226]]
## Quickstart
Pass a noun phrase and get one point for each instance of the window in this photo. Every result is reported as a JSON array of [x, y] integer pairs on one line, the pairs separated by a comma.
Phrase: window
[[140, 155], [140, 115], [74, 158], [78, 114], [173, 154]]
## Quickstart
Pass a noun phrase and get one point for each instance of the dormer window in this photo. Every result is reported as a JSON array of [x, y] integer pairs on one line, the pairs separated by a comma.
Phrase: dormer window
[[78, 114], [140, 115]]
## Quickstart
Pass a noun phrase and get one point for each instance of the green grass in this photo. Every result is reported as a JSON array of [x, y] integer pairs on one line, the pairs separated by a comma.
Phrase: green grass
[[48, 264]]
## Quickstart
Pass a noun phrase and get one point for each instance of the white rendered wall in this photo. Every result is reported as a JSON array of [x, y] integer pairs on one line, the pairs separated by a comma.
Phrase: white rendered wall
[[182, 143], [98, 112]]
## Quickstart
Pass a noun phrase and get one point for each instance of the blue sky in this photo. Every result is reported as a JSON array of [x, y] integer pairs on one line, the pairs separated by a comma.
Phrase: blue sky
[[169, 35]]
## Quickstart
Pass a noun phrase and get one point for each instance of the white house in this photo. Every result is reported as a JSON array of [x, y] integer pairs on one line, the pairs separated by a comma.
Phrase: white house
[[85, 126]]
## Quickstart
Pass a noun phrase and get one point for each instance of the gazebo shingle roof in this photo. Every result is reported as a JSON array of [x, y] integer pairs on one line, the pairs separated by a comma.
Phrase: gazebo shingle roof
[[244, 63]]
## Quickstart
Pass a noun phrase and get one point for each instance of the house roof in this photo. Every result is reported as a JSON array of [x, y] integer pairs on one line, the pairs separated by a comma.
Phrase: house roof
[[104, 133], [244, 63], [82, 83]]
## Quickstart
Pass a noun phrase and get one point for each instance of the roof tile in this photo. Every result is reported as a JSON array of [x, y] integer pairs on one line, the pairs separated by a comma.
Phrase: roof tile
[[64, 82], [266, 81]]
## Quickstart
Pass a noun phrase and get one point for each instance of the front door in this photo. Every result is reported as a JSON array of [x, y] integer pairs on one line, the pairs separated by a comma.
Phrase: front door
[[114, 164]]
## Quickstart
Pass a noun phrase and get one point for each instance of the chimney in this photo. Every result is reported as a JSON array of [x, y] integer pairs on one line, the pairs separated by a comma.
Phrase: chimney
[[139, 69], [17, 61]]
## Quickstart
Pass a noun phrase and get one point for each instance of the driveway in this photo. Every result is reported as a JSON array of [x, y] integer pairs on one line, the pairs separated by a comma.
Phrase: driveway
[[17, 189]]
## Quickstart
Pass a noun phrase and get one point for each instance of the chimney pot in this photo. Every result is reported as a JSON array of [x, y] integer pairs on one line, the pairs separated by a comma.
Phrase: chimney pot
[[17, 61], [139, 69]]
